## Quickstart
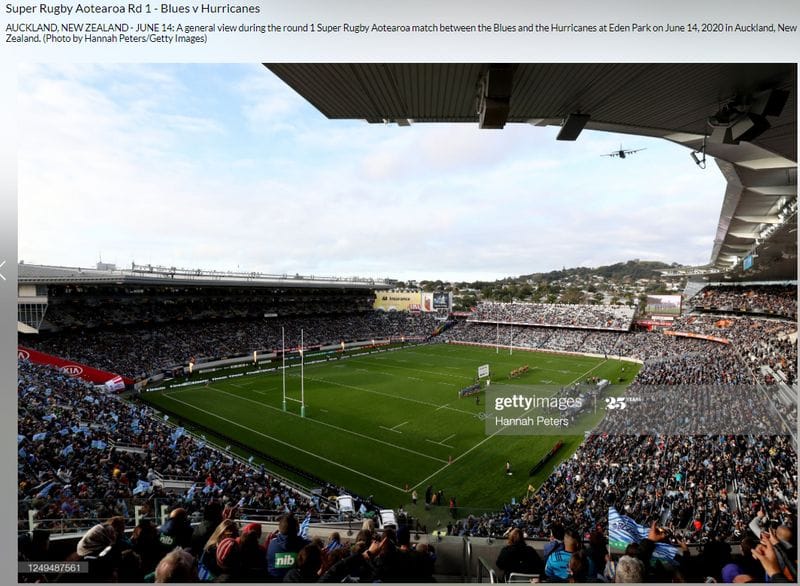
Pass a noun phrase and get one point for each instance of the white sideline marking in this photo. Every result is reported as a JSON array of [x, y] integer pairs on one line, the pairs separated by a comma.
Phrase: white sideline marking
[[355, 433], [312, 454], [414, 378]]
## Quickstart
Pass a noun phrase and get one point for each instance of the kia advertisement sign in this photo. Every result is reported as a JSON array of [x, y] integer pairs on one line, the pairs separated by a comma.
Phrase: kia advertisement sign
[[71, 368]]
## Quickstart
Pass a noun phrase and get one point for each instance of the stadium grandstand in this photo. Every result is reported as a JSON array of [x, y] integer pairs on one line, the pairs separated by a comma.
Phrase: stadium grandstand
[[693, 479]]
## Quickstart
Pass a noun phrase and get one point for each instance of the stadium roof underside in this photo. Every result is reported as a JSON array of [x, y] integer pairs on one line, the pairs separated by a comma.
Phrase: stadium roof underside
[[160, 276], [703, 107]]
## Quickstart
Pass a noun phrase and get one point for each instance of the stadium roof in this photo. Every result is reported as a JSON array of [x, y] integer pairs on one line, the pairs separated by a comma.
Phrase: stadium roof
[[160, 276], [695, 105]]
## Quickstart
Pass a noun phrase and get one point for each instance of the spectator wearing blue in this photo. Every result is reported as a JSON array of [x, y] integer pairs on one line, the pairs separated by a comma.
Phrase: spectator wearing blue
[[177, 531], [557, 566], [284, 547], [556, 542]]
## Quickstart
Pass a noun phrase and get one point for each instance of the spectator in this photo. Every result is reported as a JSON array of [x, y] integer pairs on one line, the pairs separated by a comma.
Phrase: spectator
[[309, 562], [557, 565], [178, 566], [283, 549], [177, 531], [228, 560], [629, 570], [518, 557]]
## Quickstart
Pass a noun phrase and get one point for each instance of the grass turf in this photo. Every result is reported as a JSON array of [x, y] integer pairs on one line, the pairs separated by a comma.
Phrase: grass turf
[[384, 424]]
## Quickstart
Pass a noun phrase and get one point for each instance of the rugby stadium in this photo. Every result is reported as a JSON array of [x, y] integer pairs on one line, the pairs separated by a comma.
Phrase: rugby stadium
[[337, 428]]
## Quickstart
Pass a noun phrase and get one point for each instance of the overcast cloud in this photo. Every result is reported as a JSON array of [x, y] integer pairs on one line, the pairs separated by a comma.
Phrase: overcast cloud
[[225, 167]]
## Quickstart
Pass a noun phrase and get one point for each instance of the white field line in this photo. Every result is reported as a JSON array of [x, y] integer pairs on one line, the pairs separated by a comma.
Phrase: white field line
[[287, 444], [330, 382], [390, 429], [317, 421], [486, 439], [438, 444]]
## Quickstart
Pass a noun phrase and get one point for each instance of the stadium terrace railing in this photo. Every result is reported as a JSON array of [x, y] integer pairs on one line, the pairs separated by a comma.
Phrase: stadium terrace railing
[[551, 325], [156, 510], [485, 571], [172, 272]]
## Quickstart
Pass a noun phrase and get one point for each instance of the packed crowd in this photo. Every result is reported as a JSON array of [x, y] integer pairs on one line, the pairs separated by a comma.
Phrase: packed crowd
[[700, 484], [763, 342], [142, 351], [700, 487], [608, 317], [638, 345], [74, 466], [89, 307], [772, 299], [218, 549], [569, 556]]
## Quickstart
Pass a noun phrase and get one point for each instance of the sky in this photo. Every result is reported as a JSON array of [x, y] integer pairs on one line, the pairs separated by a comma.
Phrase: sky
[[224, 167]]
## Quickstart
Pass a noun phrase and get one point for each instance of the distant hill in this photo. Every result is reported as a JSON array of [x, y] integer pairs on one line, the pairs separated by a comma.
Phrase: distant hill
[[633, 269]]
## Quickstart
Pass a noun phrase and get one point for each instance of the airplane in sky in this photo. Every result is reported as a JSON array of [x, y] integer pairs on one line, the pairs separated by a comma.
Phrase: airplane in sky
[[622, 153]]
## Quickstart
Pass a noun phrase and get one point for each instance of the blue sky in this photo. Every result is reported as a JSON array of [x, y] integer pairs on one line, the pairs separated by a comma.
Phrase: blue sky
[[225, 167]]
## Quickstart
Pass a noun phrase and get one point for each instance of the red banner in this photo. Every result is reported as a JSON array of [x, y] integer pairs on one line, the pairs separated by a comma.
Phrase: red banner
[[69, 367], [698, 336]]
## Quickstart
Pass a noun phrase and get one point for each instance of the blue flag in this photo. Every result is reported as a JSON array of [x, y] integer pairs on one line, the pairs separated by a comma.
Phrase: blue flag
[[68, 450], [303, 531], [622, 530], [46, 490], [37, 437]]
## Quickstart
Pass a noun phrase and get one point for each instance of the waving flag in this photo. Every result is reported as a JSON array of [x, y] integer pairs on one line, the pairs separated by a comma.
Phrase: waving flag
[[115, 384], [622, 530], [303, 531]]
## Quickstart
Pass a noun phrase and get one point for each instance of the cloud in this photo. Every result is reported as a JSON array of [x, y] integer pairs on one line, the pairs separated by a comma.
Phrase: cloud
[[227, 167]]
